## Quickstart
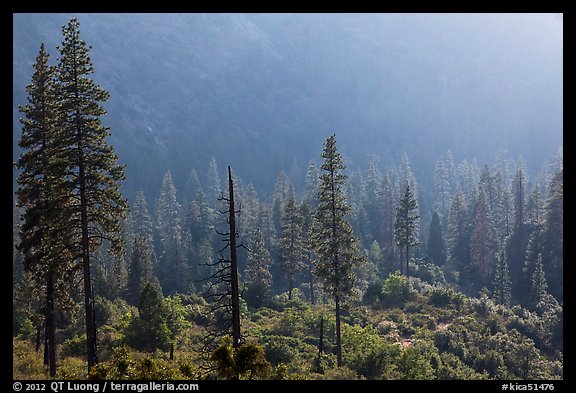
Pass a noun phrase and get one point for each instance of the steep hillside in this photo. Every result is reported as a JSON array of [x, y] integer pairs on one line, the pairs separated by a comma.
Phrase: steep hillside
[[261, 92]]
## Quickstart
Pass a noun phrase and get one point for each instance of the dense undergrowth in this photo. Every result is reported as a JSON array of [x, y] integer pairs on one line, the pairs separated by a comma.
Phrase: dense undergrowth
[[397, 331]]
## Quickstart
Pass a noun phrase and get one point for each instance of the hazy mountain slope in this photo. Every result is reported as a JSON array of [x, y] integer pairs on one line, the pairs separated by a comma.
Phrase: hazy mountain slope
[[261, 91]]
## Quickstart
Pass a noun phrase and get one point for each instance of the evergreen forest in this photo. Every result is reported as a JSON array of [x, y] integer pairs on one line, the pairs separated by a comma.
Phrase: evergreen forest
[[334, 270]]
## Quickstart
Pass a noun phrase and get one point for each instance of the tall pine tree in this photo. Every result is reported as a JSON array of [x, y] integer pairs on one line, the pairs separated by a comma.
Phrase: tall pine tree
[[333, 239], [88, 163], [43, 236]]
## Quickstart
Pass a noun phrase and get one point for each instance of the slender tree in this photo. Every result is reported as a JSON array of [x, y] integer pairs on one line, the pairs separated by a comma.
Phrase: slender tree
[[213, 181], [89, 165], [458, 234], [172, 259], [42, 240], [257, 275], [481, 243], [332, 235], [406, 223], [223, 291], [436, 246], [142, 224], [518, 240], [307, 230], [539, 287], [553, 236], [501, 281], [140, 268], [388, 213], [291, 244]]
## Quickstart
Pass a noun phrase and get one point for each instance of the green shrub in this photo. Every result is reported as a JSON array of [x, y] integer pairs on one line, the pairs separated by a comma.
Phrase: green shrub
[[26, 363], [278, 352], [396, 290], [74, 346], [443, 297]]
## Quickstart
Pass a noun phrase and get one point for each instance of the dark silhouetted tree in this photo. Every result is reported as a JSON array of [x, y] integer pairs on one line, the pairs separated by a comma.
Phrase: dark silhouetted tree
[[43, 238], [222, 291], [89, 165]]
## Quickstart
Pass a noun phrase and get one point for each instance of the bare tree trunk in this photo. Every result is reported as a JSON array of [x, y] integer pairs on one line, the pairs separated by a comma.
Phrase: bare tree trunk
[[234, 268]]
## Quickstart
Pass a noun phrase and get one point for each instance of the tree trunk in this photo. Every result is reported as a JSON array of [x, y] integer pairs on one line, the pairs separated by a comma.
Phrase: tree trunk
[[290, 284], [234, 268], [38, 337], [407, 260], [46, 358], [311, 277], [171, 351], [91, 351], [321, 340], [338, 336], [50, 327]]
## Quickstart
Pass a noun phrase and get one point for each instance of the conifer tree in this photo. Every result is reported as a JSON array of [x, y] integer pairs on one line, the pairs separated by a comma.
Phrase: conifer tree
[[149, 331], [214, 189], [307, 230], [458, 234], [388, 214], [501, 281], [140, 268], [406, 223], [436, 245], [43, 239], [481, 243], [518, 240], [539, 285], [172, 258], [332, 235], [553, 236], [441, 186], [291, 244], [142, 224], [89, 165], [311, 184], [257, 275]]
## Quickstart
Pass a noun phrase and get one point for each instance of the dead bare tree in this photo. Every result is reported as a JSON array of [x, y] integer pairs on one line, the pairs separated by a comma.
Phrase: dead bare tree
[[222, 293]]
